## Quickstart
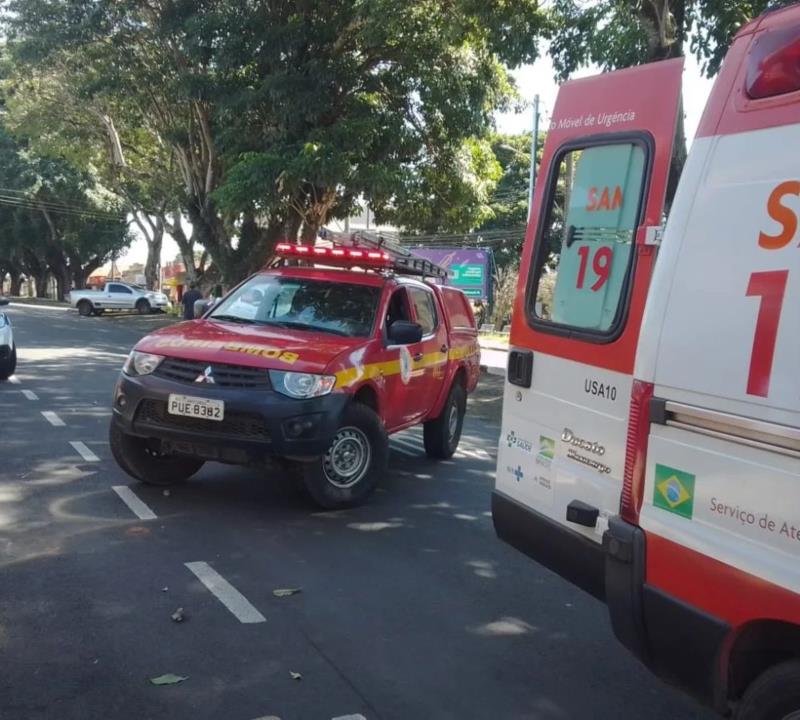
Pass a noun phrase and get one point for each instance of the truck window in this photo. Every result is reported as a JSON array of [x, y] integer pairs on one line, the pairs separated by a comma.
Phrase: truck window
[[584, 252], [119, 289], [458, 309], [424, 308]]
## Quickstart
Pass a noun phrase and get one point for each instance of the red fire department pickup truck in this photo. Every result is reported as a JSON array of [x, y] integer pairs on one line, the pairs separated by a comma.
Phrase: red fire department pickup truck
[[307, 364]]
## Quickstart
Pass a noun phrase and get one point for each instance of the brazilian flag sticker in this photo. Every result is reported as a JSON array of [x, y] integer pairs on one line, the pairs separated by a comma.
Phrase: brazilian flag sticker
[[674, 491]]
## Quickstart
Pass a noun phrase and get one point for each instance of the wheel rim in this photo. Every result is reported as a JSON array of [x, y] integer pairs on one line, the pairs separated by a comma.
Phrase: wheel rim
[[452, 422], [347, 459]]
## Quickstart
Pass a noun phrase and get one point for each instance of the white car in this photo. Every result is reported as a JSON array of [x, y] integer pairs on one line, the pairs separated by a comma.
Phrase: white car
[[118, 296], [8, 351]]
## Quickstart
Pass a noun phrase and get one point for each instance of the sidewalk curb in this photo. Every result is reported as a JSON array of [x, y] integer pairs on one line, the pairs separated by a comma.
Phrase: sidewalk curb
[[500, 372]]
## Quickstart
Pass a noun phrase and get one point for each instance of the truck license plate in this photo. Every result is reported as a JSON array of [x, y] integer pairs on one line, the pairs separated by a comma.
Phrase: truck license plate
[[196, 407]]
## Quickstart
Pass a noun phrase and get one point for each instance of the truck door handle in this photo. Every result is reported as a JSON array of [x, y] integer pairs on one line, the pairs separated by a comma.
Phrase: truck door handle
[[418, 357]]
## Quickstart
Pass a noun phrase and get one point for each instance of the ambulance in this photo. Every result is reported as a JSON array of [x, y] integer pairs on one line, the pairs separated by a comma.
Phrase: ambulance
[[650, 443]]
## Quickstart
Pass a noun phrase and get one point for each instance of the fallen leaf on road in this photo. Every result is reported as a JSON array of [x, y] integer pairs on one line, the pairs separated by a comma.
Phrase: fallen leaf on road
[[296, 676], [179, 615], [168, 679], [286, 592]]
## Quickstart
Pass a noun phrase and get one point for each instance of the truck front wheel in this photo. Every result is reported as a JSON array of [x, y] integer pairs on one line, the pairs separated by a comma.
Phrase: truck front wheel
[[351, 466], [443, 434], [142, 307], [774, 695], [85, 308], [141, 459]]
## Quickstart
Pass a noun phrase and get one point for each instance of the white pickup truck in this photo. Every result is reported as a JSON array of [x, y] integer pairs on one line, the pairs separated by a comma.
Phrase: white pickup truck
[[118, 296]]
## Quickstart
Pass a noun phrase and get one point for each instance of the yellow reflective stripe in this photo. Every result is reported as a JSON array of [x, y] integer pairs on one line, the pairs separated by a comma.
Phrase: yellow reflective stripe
[[351, 375]]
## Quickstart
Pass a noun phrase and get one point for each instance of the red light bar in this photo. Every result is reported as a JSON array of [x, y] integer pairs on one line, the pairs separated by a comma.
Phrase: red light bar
[[342, 256], [774, 64]]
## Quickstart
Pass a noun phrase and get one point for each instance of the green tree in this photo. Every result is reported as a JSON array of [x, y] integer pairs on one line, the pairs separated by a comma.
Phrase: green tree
[[620, 33], [278, 116]]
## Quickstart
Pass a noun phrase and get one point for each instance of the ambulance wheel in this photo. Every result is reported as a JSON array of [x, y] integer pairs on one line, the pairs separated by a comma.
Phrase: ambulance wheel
[[9, 366], [443, 434], [350, 468], [774, 695], [140, 458]]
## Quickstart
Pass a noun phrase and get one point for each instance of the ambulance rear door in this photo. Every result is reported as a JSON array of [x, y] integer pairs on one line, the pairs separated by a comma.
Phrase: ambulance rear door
[[585, 270]]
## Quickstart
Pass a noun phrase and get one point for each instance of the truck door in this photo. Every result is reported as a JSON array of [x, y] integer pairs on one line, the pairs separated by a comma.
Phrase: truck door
[[584, 274]]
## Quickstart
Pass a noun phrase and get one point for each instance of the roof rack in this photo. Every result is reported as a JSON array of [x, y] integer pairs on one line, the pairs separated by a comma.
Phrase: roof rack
[[366, 250]]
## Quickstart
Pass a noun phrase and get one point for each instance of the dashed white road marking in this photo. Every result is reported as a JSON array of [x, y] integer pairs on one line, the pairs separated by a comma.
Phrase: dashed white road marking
[[136, 506], [229, 596], [84, 451], [53, 419], [14, 380], [350, 717], [30, 394]]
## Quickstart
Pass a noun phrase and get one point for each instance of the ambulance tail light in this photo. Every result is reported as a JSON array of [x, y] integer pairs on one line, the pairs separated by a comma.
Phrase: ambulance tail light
[[636, 451], [774, 64]]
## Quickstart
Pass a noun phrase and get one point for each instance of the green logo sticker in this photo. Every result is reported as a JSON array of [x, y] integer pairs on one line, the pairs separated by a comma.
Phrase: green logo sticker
[[674, 491], [547, 447]]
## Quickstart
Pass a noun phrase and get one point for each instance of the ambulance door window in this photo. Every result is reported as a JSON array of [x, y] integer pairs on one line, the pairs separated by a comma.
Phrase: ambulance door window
[[585, 251]]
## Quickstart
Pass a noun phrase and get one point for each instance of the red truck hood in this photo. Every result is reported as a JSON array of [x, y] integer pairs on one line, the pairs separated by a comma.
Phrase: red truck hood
[[251, 345]]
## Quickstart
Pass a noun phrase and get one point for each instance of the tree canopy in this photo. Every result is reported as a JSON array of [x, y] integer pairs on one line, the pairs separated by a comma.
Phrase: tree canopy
[[281, 115]]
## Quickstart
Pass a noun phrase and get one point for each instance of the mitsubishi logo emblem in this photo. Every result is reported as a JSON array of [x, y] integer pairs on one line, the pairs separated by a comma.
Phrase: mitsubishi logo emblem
[[206, 376]]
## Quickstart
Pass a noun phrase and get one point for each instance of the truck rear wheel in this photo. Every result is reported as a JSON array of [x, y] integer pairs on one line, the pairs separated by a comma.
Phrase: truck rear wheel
[[774, 695], [350, 468], [141, 459], [85, 308], [443, 434], [9, 366], [142, 307]]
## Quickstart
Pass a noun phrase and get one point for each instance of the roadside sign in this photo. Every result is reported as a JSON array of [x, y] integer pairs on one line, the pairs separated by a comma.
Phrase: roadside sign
[[469, 269]]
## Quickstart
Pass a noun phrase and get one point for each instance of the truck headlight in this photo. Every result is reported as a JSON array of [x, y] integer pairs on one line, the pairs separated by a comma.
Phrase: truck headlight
[[139, 363], [301, 385]]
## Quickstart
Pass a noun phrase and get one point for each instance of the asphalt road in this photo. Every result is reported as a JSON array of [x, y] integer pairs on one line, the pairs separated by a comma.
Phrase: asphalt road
[[410, 607]]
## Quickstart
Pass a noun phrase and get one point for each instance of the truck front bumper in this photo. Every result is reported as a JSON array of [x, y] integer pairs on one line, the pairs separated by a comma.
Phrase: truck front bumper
[[257, 424]]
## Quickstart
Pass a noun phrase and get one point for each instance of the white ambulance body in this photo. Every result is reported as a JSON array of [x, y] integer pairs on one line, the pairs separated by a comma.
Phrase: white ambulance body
[[671, 488]]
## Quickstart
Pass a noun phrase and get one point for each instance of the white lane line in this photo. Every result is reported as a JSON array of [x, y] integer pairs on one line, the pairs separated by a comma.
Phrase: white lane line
[[228, 595], [14, 380], [53, 419], [136, 506], [30, 394], [84, 451]]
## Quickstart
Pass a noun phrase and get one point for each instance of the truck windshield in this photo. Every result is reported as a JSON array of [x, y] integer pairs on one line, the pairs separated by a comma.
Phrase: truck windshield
[[332, 307]]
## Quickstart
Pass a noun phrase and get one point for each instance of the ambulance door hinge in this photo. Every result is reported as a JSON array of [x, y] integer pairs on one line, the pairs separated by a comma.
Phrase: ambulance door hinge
[[653, 235]]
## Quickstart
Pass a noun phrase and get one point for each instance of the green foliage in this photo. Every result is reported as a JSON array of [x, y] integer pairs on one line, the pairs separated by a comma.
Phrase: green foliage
[[278, 116], [620, 33]]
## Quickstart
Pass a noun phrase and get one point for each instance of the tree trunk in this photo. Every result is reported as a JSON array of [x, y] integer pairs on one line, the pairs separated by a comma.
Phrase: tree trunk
[[153, 231], [16, 284], [185, 247], [40, 280]]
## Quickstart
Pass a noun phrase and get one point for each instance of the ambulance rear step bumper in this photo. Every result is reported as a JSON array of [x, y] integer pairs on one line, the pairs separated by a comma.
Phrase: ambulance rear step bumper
[[551, 544]]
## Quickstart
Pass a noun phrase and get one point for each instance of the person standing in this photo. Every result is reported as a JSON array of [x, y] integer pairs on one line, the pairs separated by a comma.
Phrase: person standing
[[189, 299]]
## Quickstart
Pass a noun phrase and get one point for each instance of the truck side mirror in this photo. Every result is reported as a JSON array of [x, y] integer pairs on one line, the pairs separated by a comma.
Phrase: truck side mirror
[[402, 332]]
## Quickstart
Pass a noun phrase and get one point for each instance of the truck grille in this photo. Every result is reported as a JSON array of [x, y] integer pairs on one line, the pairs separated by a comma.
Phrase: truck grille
[[241, 426], [232, 376]]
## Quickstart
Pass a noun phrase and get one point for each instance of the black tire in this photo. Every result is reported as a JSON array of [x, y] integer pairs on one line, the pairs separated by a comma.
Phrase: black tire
[[85, 308], [8, 367], [143, 307], [361, 431], [139, 459], [443, 434], [97, 312], [773, 695]]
